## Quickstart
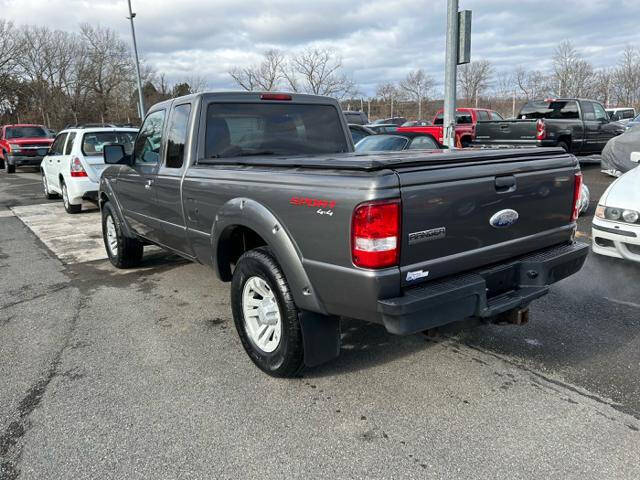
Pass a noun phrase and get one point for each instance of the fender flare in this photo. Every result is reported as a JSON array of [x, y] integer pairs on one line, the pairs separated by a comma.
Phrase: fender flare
[[250, 214], [106, 190]]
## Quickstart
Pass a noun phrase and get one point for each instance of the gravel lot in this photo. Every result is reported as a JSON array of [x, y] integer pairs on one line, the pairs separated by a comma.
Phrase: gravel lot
[[139, 374]]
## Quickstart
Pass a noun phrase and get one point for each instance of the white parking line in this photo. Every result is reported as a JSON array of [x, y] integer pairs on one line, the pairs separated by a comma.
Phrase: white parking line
[[621, 302], [6, 213], [72, 238]]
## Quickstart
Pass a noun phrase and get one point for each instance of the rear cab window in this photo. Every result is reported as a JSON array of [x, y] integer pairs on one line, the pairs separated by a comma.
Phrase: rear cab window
[[556, 109], [94, 142], [242, 129], [177, 135]]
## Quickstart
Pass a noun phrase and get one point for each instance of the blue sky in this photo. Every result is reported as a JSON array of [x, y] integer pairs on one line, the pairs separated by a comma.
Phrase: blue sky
[[379, 40]]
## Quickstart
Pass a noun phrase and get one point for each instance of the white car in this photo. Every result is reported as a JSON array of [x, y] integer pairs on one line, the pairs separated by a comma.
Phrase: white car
[[616, 225], [73, 166]]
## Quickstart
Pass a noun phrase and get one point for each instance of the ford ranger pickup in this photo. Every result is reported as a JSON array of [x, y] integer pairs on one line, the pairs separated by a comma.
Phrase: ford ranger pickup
[[265, 188]]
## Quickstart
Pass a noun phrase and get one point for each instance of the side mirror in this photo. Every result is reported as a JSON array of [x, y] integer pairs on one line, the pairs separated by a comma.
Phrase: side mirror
[[635, 157], [114, 155]]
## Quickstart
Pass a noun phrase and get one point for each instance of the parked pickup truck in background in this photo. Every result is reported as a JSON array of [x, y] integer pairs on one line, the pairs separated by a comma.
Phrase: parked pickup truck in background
[[466, 121], [265, 188], [23, 145], [577, 126]]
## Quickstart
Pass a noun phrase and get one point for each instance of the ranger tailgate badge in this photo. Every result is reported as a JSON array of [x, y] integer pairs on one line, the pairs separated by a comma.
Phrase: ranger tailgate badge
[[504, 218], [427, 235], [418, 274]]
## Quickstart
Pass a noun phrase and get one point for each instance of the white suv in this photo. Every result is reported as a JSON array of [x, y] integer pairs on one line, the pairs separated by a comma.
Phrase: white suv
[[74, 163]]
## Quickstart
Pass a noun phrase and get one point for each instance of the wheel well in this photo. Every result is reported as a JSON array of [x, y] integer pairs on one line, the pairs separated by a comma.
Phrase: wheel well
[[466, 139], [566, 139], [234, 241]]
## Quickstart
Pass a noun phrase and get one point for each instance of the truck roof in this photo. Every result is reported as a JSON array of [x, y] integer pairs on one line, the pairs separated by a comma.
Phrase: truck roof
[[24, 125], [257, 97]]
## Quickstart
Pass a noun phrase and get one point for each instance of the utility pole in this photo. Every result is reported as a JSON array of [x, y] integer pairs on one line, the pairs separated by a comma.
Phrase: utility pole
[[450, 74], [137, 62]]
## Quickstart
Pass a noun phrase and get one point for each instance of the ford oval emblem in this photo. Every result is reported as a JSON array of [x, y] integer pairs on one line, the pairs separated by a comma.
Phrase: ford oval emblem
[[504, 218]]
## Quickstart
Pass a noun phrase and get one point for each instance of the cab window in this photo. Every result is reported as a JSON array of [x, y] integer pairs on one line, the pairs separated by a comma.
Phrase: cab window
[[147, 146], [177, 135], [483, 116], [423, 143]]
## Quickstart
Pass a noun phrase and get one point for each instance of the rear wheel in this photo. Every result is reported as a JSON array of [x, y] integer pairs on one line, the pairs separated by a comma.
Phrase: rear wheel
[[123, 252], [265, 315], [69, 207], [1, 163], [564, 146], [11, 168], [45, 188]]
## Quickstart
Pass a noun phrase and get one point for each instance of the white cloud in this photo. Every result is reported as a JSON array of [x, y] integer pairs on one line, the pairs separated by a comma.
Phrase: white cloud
[[379, 39]]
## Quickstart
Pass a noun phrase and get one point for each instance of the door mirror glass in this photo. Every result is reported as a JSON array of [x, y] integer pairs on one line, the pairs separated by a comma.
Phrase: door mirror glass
[[114, 155]]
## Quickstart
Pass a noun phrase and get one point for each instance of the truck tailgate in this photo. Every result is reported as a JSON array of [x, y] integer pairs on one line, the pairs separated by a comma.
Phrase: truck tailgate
[[505, 132], [460, 217]]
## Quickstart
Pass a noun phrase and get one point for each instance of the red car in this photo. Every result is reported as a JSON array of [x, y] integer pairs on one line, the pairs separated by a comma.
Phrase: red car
[[466, 120], [23, 144]]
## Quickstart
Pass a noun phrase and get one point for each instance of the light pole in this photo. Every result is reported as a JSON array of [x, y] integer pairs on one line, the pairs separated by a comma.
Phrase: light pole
[[137, 62], [450, 74]]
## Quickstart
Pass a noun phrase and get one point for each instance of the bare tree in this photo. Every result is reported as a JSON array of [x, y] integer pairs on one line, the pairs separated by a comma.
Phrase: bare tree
[[388, 93], [318, 71], [572, 76], [418, 86], [265, 76], [474, 79], [626, 78]]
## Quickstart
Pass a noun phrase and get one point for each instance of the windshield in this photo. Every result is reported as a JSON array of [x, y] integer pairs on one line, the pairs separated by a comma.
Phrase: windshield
[[93, 143], [238, 129], [381, 143], [552, 109], [26, 132]]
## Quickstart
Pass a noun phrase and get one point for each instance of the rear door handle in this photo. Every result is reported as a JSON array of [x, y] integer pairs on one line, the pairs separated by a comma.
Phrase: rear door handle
[[505, 184]]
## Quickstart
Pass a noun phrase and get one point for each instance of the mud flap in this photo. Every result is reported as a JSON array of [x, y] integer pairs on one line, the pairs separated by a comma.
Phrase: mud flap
[[320, 337]]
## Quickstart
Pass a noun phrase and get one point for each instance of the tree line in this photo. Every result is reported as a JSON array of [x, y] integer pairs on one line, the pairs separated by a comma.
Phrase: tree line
[[59, 78]]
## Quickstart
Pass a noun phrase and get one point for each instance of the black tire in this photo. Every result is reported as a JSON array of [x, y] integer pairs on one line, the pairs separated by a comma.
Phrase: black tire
[[1, 163], [129, 250], [45, 188], [11, 168], [72, 209], [287, 360], [564, 146]]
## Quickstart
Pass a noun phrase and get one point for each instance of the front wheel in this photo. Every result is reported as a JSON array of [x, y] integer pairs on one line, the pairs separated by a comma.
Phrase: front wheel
[[11, 168], [1, 163], [265, 316], [123, 252]]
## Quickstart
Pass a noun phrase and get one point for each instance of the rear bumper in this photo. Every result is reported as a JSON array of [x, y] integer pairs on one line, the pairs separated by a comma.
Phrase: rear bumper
[[483, 293], [22, 160]]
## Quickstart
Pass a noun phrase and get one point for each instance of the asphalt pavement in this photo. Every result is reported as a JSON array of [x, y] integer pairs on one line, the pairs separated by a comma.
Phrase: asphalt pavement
[[140, 374]]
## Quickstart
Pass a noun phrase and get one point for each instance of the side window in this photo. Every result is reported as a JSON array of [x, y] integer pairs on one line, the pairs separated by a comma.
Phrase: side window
[[69, 147], [601, 113], [423, 143], [58, 144], [496, 116], [147, 147], [568, 112], [588, 114], [627, 114], [483, 116], [177, 135]]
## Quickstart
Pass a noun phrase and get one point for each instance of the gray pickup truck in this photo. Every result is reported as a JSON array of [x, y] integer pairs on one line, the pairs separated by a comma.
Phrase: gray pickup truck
[[575, 125], [266, 189]]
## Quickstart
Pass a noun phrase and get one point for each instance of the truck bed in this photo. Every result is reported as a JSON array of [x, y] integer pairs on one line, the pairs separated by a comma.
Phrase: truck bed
[[389, 160]]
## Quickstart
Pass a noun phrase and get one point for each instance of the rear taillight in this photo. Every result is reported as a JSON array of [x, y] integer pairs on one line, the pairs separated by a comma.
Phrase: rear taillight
[[541, 130], [375, 234], [577, 190], [77, 170]]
